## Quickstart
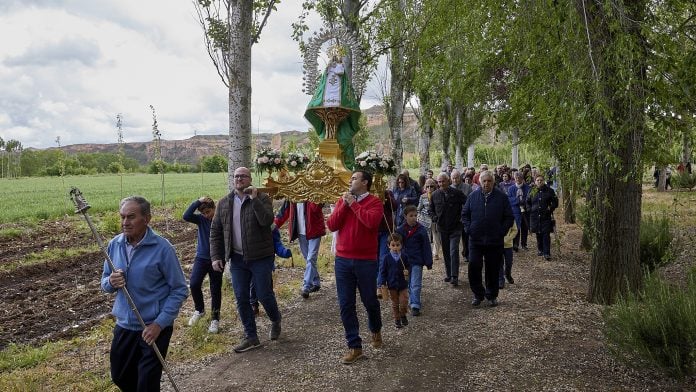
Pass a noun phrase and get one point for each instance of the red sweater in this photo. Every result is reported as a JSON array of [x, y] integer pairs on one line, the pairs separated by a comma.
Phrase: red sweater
[[357, 227]]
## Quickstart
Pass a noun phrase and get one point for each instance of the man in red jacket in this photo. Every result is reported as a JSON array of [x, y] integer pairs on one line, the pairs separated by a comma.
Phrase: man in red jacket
[[307, 226], [356, 219]]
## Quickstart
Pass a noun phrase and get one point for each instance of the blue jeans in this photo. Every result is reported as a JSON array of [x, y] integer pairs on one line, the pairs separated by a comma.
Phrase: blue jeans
[[506, 267], [310, 251], [352, 274], [450, 252], [492, 256], [261, 273], [544, 243], [201, 268], [414, 286]]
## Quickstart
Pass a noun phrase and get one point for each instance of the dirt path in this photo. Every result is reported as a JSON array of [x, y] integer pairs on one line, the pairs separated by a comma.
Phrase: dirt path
[[543, 336]]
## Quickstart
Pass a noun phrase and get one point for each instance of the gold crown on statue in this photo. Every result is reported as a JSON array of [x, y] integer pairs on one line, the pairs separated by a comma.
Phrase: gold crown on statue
[[337, 51]]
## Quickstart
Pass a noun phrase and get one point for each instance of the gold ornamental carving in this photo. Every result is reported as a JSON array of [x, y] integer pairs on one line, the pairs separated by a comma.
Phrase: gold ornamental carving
[[317, 183]]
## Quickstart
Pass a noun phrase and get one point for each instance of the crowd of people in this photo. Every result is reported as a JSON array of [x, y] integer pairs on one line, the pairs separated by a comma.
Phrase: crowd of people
[[381, 247]]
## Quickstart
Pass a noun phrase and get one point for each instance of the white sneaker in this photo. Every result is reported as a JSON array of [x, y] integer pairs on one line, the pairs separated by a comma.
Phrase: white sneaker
[[196, 316], [214, 325]]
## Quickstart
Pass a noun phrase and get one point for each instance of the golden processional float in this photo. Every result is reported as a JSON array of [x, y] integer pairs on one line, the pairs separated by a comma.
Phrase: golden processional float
[[334, 113]]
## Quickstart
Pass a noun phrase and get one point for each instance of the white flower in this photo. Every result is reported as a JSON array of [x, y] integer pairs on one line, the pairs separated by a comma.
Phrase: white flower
[[293, 163], [264, 160], [277, 160], [384, 164], [362, 155], [363, 163], [260, 160]]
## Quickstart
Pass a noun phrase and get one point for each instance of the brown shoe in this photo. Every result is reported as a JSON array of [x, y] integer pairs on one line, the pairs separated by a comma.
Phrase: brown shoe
[[376, 339], [351, 356]]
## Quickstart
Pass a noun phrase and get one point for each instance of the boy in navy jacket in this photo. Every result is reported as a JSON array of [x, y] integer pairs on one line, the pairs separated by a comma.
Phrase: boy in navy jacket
[[416, 247], [394, 274]]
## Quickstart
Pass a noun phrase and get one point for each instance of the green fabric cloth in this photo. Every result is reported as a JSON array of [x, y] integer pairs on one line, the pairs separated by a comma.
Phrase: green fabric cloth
[[348, 127]]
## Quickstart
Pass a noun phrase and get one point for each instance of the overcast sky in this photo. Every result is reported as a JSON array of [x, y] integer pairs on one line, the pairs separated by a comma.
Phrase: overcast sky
[[67, 67]]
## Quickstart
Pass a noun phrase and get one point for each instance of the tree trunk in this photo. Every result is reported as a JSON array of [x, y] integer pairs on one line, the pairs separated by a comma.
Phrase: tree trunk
[[239, 92], [515, 148], [424, 137], [686, 146], [397, 104], [458, 137], [470, 155], [620, 82], [661, 178], [446, 131]]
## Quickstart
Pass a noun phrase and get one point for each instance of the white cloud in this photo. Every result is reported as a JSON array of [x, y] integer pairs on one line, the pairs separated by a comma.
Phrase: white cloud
[[71, 66]]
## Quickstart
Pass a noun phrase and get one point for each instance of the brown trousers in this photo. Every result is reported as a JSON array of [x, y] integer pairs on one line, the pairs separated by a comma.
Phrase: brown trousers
[[399, 302]]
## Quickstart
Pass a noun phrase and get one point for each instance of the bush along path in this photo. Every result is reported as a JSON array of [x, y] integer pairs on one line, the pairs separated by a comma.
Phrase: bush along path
[[542, 336]]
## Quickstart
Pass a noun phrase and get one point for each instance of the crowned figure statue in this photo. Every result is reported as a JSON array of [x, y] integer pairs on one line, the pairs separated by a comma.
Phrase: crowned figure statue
[[334, 111]]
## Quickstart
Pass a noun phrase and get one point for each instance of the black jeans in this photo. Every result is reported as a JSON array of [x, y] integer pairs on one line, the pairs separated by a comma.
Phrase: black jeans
[[201, 268], [522, 231], [544, 243], [134, 364], [450, 252], [492, 257]]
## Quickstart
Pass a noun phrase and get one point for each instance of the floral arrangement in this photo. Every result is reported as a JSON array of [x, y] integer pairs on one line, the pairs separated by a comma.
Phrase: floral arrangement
[[371, 161], [296, 161], [269, 159]]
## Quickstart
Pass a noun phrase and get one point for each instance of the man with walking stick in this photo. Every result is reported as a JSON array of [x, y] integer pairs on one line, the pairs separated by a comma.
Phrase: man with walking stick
[[146, 264]]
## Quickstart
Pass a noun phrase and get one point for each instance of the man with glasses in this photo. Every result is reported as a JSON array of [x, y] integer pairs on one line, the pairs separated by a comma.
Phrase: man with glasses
[[447, 205], [241, 235]]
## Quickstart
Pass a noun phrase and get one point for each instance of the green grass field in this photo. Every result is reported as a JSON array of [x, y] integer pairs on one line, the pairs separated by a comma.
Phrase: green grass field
[[47, 197]]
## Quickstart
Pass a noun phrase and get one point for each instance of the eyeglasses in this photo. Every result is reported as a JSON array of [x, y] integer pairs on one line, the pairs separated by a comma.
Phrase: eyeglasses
[[430, 186], [241, 176]]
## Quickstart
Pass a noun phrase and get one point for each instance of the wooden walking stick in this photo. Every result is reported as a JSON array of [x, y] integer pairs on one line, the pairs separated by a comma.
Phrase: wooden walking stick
[[82, 206]]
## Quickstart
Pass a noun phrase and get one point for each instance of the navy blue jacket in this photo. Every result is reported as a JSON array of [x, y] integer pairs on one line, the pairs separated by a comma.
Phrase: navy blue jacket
[[203, 248], [392, 272], [417, 245], [487, 220]]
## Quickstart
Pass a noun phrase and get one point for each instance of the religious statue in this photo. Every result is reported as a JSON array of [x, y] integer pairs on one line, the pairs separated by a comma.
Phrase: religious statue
[[333, 110]]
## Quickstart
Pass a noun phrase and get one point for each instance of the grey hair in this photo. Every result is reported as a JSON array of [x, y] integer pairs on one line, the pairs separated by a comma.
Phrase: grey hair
[[142, 203], [443, 175], [486, 173]]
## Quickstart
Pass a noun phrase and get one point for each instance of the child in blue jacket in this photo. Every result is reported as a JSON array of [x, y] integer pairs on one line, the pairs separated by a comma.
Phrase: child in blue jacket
[[417, 249], [202, 265], [394, 274]]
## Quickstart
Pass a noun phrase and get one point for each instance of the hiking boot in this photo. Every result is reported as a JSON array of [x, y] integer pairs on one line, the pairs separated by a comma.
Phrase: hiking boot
[[376, 339], [275, 330], [247, 344], [351, 356], [547, 257], [397, 323], [195, 317], [415, 312], [476, 302], [214, 326], [509, 279], [448, 279], [404, 321], [304, 293], [454, 282], [314, 289], [493, 302]]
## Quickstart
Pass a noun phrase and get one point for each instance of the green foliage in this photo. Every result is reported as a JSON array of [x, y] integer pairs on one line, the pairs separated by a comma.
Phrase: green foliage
[[110, 224], [655, 241], [44, 197], [11, 232], [657, 325], [683, 181], [21, 357], [214, 164]]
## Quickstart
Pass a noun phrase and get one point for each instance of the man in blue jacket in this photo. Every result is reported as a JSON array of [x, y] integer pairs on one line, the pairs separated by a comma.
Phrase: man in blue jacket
[[147, 264], [487, 217]]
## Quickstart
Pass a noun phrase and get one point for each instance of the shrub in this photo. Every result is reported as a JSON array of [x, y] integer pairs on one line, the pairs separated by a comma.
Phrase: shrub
[[683, 181], [657, 325], [655, 240]]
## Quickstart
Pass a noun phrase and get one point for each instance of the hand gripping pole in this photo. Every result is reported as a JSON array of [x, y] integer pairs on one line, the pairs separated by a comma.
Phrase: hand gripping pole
[[81, 206]]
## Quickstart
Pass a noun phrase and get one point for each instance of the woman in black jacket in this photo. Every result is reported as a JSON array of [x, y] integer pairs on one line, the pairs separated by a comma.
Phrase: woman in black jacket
[[541, 202]]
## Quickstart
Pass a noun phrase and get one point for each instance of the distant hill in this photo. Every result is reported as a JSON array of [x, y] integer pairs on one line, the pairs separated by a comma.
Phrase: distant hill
[[189, 151]]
